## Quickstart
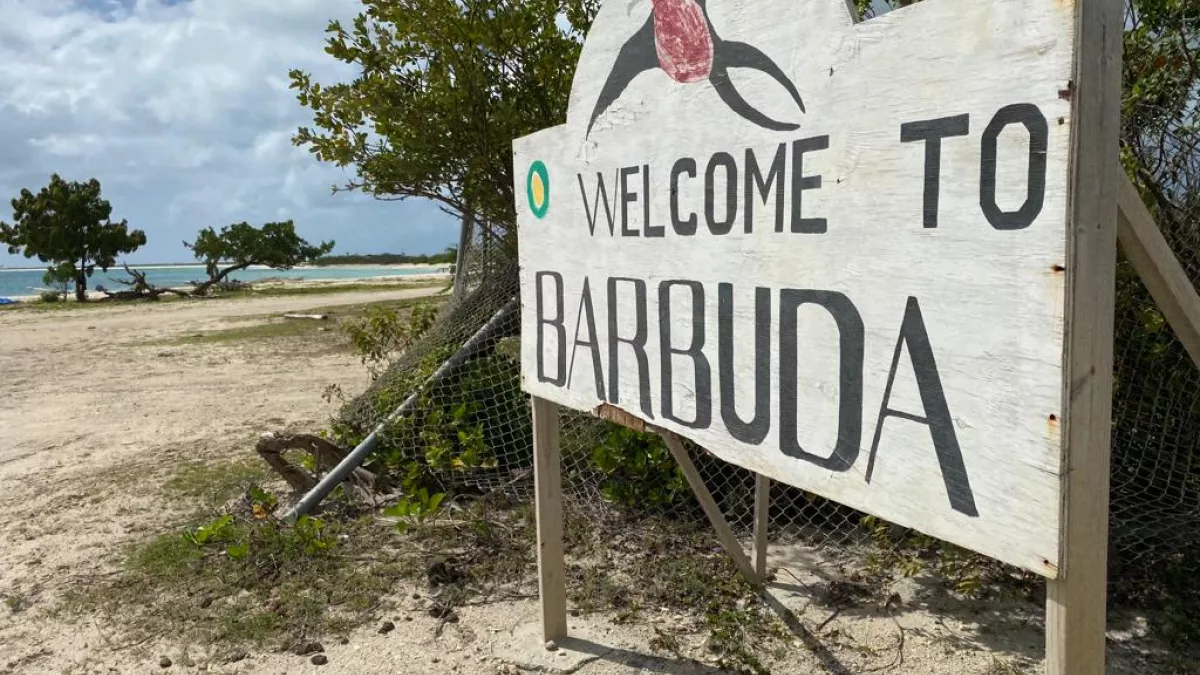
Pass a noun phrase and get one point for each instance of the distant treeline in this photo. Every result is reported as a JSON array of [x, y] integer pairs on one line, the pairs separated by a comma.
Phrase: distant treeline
[[446, 257]]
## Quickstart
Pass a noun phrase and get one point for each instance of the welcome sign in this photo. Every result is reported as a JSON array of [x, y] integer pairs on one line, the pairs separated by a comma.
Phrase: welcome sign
[[831, 253]]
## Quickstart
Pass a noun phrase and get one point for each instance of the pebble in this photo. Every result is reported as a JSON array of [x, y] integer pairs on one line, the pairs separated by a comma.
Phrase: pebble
[[387, 627], [164, 662], [551, 646], [309, 648], [319, 659]]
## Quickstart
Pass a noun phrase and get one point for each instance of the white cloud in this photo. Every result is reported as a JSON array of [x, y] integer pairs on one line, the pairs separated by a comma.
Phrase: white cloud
[[182, 110]]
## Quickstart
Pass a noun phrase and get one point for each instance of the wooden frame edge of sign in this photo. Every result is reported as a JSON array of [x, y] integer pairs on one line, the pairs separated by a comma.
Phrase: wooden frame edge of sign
[[1150, 254], [1076, 600]]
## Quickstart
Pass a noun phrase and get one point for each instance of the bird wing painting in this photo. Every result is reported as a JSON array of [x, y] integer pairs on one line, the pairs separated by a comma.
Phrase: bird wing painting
[[679, 39]]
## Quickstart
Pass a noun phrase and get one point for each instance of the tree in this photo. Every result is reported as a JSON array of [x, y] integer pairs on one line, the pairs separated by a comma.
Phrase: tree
[[60, 278], [68, 223], [274, 245], [444, 87]]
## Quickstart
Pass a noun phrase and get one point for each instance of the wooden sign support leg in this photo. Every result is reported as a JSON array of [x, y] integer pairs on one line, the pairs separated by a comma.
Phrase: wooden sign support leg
[[1075, 602], [547, 478], [728, 539], [762, 517], [1159, 269]]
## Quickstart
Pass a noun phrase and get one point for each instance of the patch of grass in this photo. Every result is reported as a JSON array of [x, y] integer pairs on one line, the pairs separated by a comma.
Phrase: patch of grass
[[277, 328], [287, 291], [266, 292], [674, 565], [16, 602], [240, 581], [209, 485], [619, 567]]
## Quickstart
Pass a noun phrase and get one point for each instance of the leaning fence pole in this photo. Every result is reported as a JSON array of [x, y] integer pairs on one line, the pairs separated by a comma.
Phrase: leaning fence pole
[[356, 457]]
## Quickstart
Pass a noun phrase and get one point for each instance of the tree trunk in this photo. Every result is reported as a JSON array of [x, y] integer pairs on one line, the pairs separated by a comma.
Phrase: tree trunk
[[81, 284], [202, 289]]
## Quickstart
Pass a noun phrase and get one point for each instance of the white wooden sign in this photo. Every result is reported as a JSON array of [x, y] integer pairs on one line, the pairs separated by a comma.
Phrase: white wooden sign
[[830, 253]]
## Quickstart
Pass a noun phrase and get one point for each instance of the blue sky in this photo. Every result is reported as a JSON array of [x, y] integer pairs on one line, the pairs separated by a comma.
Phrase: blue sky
[[181, 109]]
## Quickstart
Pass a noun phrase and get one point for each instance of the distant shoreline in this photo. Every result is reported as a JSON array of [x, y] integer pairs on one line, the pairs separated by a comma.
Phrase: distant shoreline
[[200, 266]]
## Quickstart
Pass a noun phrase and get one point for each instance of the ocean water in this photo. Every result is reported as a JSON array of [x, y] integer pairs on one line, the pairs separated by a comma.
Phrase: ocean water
[[29, 282]]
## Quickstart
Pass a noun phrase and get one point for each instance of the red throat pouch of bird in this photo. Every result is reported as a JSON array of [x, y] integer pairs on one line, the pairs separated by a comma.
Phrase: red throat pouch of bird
[[682, 40]]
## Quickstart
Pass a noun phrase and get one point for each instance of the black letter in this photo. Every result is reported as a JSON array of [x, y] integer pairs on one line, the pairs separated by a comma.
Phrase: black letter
[[800, 183], [585, 312], [684, 228], [932, 132], [557, 322], [724, 226], [650, 230], [755, 430], [626, 198], [601, 198], [776, 179], [941, 428], [638, 342], [1029, 115], [703, 391], [850, 387]]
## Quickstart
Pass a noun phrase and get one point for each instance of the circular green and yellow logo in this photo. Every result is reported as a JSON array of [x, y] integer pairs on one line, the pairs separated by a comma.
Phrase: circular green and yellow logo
[[538, 186]]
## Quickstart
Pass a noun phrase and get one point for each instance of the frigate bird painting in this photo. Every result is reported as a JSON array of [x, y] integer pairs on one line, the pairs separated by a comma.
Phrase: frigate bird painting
[[679, 39]]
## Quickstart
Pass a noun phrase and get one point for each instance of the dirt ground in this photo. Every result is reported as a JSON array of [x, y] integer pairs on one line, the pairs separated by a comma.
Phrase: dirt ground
[[99, 409]]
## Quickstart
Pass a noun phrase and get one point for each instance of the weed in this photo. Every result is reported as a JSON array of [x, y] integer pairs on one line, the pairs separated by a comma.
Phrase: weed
[[673, 565], [381, 333], [16, 603]]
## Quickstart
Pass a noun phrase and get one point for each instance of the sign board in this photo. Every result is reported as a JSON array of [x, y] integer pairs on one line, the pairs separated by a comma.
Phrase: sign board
[[831, 253]]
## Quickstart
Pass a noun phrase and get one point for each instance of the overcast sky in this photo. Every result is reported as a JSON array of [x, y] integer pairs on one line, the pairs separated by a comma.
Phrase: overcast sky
[[181, 109]]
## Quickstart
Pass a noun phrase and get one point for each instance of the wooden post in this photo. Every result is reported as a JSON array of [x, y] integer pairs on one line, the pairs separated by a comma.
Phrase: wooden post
[[1156, 264], [1075, 602], [547, 478], [728, 539], [762, 518]]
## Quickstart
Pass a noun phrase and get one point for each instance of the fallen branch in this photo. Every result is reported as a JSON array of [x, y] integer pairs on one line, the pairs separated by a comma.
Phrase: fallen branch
[[313, 317], [139, 288], [325, 454]]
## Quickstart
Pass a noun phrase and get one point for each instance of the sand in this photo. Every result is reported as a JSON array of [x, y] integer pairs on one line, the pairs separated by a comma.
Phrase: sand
[[97, 413]]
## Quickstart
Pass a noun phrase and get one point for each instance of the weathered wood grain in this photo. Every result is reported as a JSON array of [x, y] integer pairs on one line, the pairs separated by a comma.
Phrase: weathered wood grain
[[1075, 603], [547, 476], [980, 295]]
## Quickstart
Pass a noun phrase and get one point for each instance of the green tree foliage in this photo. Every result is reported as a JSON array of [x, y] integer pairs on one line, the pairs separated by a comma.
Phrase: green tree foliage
[[69, 223], [447, 257], [1160, 133], [59, 279], [238, 246], [443, 88]]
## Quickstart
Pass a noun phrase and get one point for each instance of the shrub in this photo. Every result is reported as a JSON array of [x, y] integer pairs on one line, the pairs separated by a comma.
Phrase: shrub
[[638, 469]]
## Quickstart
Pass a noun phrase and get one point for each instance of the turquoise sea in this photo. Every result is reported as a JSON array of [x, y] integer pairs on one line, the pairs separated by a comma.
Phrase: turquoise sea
[[15, 282]]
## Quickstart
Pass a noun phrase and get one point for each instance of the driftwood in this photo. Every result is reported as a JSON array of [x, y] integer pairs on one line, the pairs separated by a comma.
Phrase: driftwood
[[139, 288], [326, 455], [313, 317]]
